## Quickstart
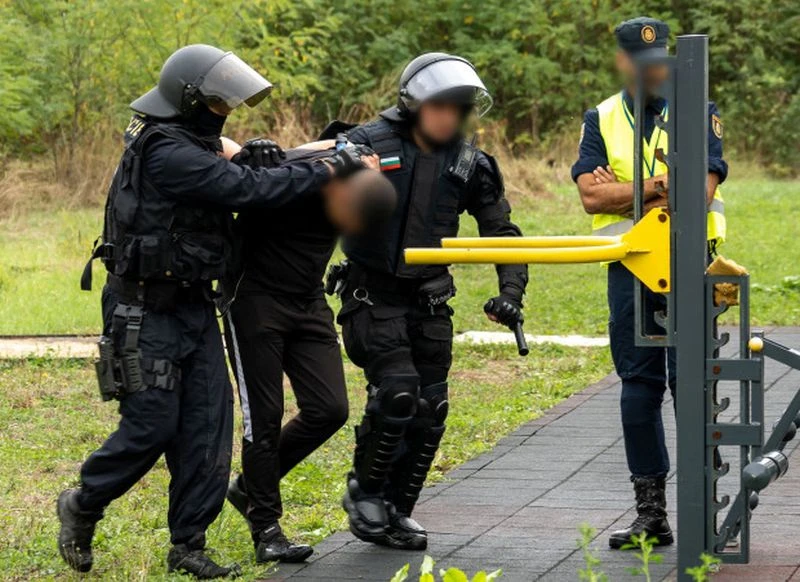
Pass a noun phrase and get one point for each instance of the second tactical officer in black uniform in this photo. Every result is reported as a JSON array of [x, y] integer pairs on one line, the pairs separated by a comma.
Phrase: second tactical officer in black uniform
[[167, 235], [396, 322]]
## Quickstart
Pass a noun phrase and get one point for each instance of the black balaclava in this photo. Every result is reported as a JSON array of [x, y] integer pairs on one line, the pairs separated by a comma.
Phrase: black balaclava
[[205, 124]]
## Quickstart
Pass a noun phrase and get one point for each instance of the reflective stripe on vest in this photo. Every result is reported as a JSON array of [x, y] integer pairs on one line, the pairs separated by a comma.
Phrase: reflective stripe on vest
[[617, 132]]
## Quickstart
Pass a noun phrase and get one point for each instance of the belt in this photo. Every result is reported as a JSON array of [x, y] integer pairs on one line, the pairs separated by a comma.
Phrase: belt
[[384, 282], [149, 292]]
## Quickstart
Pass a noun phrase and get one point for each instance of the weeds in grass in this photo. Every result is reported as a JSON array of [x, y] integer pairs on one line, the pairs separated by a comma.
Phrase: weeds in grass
[[426, 574], [589, 573], [709, 565], [645, 545]]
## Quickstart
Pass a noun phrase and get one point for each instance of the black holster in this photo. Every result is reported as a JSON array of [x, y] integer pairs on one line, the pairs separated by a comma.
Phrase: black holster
[[121, 369], [336, 278]]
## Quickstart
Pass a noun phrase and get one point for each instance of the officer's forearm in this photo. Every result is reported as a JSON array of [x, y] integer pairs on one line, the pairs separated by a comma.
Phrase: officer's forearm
[[229, 148], [711, 186], [511, 279], [612, 197]]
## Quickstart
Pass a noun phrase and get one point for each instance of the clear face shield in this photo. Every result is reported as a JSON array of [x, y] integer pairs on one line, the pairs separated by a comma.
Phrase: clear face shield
[[232, 81], [450, 80]]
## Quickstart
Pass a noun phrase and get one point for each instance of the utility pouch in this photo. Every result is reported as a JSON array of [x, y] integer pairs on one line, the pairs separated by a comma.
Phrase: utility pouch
[[437, 291], [336, 278], [131, 370], [127, 320], [464, 165], [106, 368]]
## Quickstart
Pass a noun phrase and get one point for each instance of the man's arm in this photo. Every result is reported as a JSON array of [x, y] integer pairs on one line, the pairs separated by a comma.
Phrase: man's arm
[[488, 204], [598, 187], [604, 195], [717, 166], [193, 175]]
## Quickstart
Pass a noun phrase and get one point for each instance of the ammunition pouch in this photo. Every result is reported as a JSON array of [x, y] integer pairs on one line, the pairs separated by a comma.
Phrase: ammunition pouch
[[437, 291], [121, 369]]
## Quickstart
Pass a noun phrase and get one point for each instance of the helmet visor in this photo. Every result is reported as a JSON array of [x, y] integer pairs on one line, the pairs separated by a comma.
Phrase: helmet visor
[[450, 80], [233, 82]]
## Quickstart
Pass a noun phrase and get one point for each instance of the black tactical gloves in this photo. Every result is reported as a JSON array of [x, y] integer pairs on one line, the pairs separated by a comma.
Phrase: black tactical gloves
[[505, 309], [260, 153], [347, 160]]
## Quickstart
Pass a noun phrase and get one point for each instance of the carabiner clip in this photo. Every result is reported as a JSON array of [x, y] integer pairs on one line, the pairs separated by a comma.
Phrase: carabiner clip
[[363, 296]]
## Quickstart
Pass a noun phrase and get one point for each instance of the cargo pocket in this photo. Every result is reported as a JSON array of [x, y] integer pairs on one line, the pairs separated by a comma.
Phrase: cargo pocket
[[434, 342], [370, 333]]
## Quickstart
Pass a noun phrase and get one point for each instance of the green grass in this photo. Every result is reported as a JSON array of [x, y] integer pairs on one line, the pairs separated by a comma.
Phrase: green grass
[[42, 256], [52, 419]]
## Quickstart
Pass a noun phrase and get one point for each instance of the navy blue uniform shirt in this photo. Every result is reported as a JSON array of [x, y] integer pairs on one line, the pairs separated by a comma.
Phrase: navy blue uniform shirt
[[592, 149]]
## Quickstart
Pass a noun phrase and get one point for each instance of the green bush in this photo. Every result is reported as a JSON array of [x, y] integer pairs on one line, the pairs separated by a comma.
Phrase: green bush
[[68, 65]]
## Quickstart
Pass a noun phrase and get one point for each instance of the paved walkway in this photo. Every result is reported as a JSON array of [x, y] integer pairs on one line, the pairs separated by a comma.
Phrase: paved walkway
[[519, 506]]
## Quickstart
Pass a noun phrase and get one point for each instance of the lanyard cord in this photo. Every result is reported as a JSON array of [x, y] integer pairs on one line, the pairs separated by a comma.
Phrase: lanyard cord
[[651, 167]]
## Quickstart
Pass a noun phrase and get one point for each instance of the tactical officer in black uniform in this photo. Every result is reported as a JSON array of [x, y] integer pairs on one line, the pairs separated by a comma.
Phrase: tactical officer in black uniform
[[396, 322], [167, 235]]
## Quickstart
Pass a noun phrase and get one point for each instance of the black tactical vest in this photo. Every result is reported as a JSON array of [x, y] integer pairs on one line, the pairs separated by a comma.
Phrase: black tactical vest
[[430, 199], [148, 236]]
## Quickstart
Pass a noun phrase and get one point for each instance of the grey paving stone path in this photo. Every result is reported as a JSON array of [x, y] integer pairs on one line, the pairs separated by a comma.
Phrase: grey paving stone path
[[519, 506]]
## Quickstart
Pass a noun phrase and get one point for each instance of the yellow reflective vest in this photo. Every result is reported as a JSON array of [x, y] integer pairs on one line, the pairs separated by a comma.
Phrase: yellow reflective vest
[[616, 128]]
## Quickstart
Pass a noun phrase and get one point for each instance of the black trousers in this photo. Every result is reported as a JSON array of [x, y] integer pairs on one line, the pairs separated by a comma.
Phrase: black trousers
[[192, 425], [395, 340], [267, 336], [646, 373]]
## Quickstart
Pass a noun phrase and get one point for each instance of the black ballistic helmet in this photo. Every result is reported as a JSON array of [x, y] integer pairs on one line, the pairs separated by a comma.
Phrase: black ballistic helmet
[[200, 73], [442, 77]]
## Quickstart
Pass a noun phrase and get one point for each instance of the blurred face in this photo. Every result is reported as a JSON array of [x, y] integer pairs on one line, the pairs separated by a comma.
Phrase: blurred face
[[220, 108], [653, 75], [439, 122], [341, 206]]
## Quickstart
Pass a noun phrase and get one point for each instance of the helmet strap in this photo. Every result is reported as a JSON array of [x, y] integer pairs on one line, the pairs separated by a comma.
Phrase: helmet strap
[[190, 101]]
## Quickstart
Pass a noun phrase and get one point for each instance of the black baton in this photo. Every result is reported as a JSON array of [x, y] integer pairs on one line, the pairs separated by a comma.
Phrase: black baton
[[522, 343]]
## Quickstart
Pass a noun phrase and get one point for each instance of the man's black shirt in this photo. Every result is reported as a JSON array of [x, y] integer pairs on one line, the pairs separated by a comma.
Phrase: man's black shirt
[[286, 250]]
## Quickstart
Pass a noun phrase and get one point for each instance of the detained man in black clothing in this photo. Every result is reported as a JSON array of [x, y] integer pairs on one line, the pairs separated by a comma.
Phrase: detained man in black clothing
[[279, 322]]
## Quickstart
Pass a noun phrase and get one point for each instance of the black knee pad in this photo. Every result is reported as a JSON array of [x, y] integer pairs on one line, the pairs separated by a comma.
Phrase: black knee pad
[[396, 398], [433, 399]]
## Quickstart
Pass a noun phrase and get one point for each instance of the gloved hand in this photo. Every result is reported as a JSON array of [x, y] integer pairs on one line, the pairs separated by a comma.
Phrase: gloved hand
[[260, 153], [349, 160], [505, 309]]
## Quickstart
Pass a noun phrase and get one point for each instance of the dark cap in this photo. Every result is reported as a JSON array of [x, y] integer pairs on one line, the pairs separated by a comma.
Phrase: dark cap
[[643, 36]]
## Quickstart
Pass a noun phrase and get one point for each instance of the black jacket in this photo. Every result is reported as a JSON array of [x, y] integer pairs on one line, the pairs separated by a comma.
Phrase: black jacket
[[168, 214], [430, 201]]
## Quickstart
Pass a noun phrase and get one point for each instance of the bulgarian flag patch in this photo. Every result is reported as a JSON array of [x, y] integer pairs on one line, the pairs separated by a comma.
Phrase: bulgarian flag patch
[[390, 163]]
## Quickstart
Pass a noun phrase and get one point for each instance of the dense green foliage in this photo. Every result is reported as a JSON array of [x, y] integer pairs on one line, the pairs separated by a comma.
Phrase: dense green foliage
[[66, 65]]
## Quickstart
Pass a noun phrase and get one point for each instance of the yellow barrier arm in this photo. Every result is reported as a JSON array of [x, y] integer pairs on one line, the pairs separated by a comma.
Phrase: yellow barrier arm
[[644, 250]]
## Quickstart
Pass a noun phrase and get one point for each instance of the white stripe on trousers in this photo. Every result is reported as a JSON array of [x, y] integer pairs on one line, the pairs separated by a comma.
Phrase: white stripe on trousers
[[243, 398]]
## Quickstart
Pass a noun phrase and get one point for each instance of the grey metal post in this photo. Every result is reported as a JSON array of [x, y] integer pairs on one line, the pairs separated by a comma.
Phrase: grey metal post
[[688, 147]]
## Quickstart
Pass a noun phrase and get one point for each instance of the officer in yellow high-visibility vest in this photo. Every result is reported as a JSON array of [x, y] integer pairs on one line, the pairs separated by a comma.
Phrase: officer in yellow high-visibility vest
[[604, 175]]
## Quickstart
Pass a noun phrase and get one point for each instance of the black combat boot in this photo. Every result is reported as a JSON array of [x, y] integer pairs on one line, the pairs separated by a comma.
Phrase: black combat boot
[[237, 496], [77, 531], [404, 533], [191, 558], [273, 546], [651, 505], [366, 512]]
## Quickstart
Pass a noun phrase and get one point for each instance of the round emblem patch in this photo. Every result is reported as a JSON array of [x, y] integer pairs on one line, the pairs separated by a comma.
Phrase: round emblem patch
[[716, 126], [648, 34]]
